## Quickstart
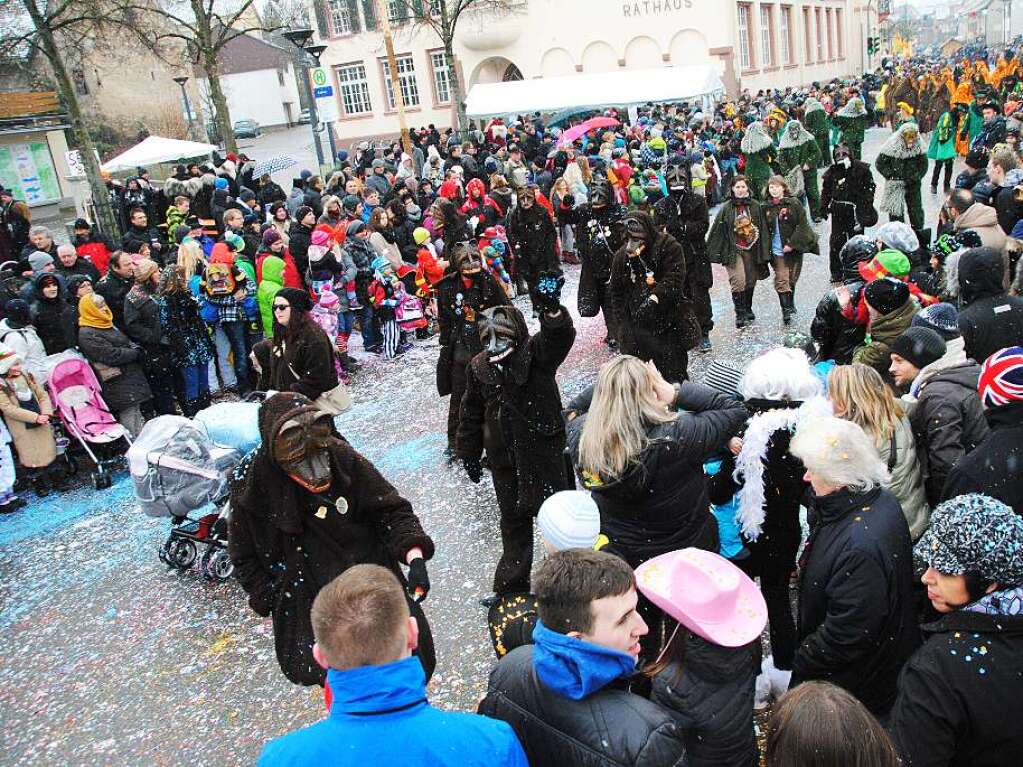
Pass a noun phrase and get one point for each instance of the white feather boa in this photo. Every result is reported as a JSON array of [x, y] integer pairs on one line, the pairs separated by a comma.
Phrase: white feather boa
[[749, 464]]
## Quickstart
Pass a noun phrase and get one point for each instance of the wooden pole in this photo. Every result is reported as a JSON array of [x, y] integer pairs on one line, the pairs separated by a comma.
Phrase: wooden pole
[[392, 66]]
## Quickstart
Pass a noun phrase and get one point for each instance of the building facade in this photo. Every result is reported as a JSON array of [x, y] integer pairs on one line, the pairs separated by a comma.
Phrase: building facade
[[755, 44]]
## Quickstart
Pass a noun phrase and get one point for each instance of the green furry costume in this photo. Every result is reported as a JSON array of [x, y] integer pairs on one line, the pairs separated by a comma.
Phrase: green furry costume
[[799, 158], [758, 148], [852, 121], [903, 162], [818, 123]]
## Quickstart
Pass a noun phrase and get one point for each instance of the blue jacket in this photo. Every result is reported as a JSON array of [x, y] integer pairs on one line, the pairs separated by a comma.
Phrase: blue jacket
[[380, 716]]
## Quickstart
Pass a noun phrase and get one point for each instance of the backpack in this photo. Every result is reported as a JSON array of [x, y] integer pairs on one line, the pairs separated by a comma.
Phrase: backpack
[[220, 280]]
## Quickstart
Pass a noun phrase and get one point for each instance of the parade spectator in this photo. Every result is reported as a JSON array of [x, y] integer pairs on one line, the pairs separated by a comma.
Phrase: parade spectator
[[836, 332], [18, 332], [115, 285], [191, 349], [989, 319], [300, 238], [55, 320], [364, 638], [303, 358], [955, 690], [856, 614], [565, 695], [890, 309], [40, 238], [69, 263]]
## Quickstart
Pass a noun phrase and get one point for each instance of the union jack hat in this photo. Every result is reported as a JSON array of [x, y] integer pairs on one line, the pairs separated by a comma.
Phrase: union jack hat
[[1001, 377]]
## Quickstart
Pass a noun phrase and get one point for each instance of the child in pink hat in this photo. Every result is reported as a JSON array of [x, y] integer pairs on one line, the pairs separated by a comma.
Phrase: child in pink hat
[[707, 671]]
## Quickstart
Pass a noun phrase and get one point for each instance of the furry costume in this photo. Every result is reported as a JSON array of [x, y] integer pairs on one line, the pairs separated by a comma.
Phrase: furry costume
[[818, 123], [904, 168], [794, 153], [852, 121], [761, 157]]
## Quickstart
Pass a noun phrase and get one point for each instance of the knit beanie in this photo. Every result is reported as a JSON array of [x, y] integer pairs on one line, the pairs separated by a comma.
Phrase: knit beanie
[[296, 298], [941, 318], [327, 298], [1001, 378], [569, 520], [350, 203], [919, 346], [19, 314], [354, 228], [420, 235], [886, 294], [270, 236], [234, 242], [899, 235], [181, 232], [887, 263], [39, 260], [723, 378], [220, 183], [320, 237]]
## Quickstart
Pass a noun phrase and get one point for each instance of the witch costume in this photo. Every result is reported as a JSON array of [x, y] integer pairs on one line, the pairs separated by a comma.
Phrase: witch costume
[[799, 158], [817, 121], [903, 163], [852, 121], [761, 157]]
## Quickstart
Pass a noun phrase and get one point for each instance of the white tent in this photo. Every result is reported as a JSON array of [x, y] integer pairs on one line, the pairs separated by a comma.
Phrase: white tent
[[157, 149], [625, 88]]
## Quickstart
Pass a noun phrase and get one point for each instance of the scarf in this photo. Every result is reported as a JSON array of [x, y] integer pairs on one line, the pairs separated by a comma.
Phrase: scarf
[[1006, 602], [90, 316]]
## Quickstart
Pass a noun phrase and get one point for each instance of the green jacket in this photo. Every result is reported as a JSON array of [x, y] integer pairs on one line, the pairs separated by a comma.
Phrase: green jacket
[[807, 153], [876, 348], [795, 228], [759, 167], [273, 280], [943, 138], [853, 128], [721, 247]]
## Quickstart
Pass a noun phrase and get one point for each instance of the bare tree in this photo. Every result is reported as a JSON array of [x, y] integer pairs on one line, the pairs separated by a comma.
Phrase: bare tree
[[285, 14], [201, 28], [52, 30]]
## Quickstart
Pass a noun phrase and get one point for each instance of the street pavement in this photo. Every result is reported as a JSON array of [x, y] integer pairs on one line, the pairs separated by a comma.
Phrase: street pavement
[[109, 658]]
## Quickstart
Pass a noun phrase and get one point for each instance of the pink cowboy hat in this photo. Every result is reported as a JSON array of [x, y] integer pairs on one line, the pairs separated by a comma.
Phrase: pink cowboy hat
[[705, 593]]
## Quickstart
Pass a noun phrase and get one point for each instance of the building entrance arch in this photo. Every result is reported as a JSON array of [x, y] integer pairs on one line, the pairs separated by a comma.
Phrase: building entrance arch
[[495, 69]]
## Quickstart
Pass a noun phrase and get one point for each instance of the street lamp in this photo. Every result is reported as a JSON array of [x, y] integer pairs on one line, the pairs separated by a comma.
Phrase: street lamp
[[181, 80], [300, 39]]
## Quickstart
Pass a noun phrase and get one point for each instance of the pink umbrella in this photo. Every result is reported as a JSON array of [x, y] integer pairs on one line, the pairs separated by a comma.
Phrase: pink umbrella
[[582, 129]]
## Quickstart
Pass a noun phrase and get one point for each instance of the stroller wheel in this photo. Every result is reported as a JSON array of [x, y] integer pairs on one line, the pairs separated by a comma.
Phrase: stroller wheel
[[182, 553], [216, 564], [101, 479]]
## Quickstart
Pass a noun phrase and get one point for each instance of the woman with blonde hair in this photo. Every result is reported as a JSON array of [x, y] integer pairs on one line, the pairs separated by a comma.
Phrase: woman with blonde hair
[[857, 623], [858, 394], [638, 444], [559, 191]]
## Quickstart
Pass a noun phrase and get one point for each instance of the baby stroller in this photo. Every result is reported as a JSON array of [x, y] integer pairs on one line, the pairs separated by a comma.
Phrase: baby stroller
[[179, 472], [75, 394]]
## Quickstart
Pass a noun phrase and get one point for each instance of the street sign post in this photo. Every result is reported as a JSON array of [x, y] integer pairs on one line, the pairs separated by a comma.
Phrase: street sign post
[[323, 92]]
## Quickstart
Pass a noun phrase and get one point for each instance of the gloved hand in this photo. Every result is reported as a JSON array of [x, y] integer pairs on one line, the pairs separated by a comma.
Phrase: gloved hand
[[474, 469], [645, 311], [568, 200], [548, 290], [418, 579]]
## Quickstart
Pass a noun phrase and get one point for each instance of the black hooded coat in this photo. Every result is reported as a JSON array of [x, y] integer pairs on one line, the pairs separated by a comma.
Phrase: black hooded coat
[[990, 319], [56, 321], [284, 552]]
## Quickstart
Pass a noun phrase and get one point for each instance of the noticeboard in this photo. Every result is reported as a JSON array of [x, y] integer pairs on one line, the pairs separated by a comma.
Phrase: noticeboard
[[28, 168]]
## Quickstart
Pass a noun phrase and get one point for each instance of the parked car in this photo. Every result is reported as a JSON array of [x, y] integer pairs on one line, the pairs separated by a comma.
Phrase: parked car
[[246, 129], [304, 118]]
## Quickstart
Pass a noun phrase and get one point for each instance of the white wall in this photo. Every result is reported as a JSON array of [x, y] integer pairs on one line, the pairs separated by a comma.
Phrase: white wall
[[259, 96]]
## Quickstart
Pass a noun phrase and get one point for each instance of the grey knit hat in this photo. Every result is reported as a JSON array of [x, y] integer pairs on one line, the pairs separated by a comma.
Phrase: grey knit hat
[[899, 235], [975, 533], [941, 318], [920, 346], [723, 378]]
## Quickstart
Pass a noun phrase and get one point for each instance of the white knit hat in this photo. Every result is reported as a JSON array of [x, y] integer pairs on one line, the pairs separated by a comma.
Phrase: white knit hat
[[569, 520]]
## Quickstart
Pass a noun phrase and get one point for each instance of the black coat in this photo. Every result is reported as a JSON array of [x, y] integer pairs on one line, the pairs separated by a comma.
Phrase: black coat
[[610, 728], [284, 553], [969, 179], [837, 337], [111, 347], [299, 240], [304, 364], [81, 266], [114, 290], [660, 504], [647, 330], [856, 608], [955, 700], [599, 233], [712, 703], [533, 241], [514, 412], [995, 466], [687, 220], [990, 319], [948, 422], [457, 307], [847, 195], [56, 321]]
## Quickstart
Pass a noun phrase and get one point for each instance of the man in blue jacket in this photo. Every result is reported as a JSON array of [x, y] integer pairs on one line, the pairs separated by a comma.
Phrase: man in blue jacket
[[380, 714]]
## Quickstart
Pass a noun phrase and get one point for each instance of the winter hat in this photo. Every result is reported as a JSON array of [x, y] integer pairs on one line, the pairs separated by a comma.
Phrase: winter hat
[[421, 235], [342, 155], [81, 223], [941, 318], [379, 264], [250, 218], [354, 228], [296, 298], [40, 260], [350, 203], [886, 263], [19, 314], [723, 378], [220, 183], [246, 195], [569, 520], [305, 174], [920, 346], [886, 294], [76, 281], [234, 242], [181, 232], [270, 236], [899, 235], [328, 299], [8, 359], [1001, 378], [379, 163], [302, 212], [977, 158], [320, 237], [145, 269], [974, 534]]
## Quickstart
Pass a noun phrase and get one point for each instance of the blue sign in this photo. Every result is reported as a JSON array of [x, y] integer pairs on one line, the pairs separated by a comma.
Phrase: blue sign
[[323, 93]]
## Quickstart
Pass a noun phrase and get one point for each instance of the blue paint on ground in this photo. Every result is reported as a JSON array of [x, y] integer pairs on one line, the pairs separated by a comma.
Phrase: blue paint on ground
[[411, 456]]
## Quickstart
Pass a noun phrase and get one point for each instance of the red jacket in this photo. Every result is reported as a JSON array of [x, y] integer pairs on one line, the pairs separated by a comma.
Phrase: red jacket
[[291, 276]]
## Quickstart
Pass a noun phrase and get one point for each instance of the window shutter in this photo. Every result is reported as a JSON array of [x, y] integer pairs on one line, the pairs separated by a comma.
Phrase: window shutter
[[370, 11], [322, 27], [417, 9], [353, 14]]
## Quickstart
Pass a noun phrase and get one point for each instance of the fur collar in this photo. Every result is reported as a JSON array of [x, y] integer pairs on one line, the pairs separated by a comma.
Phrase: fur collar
[[812, 105], [854, 108], [756, 139], [895, 147], [804, 137]]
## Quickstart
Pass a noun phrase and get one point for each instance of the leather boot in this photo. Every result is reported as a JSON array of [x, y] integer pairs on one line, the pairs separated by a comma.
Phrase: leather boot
[[750, 316], [787, 310], [739, 302]]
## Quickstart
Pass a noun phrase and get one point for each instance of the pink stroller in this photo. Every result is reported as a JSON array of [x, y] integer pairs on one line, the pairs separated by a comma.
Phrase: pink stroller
[[75, 393]]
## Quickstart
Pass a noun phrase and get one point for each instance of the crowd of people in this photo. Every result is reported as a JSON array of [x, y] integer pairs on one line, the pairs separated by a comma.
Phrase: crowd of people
[[872, 462]]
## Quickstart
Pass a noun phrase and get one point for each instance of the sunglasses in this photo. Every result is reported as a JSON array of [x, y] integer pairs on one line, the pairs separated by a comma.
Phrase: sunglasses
[[281, 307]]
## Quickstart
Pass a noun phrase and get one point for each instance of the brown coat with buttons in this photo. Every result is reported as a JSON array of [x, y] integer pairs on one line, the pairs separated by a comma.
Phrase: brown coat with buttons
[[33, 442]]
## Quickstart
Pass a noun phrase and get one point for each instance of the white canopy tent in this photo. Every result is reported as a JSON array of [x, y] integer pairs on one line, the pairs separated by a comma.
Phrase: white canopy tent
[[157, 149], [628, 87]]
